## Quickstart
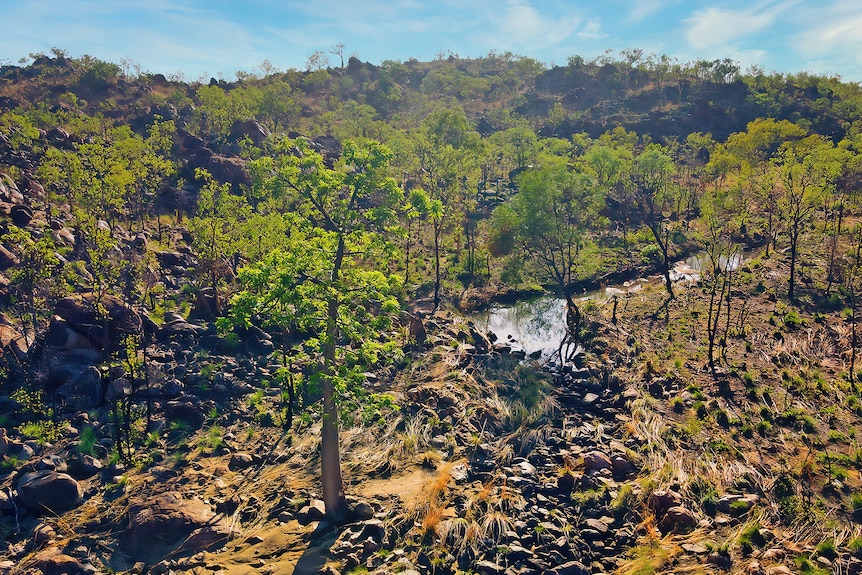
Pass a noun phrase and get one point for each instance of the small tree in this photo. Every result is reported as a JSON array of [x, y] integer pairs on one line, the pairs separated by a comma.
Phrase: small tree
[[807, 168], [723, 255], [28, 281], [213, 230], [319, 285], [649, 185], [549, 220]]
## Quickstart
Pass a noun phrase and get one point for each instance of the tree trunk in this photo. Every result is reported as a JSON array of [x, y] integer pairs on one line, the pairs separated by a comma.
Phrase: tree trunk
[[794, 238], [330, 458], [436, 265]]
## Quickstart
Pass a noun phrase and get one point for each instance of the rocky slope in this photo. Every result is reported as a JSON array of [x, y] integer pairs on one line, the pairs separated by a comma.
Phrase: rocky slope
[[625, 461]]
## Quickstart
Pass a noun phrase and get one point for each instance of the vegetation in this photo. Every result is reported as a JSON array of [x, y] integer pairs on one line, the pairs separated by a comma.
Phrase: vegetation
[[299, 239]]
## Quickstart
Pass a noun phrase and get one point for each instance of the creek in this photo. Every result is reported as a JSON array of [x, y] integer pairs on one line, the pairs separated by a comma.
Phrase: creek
[[538, 325]]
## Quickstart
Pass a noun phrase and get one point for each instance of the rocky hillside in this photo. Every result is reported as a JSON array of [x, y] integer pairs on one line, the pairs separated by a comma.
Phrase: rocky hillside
[[635, 459], [160, 399]]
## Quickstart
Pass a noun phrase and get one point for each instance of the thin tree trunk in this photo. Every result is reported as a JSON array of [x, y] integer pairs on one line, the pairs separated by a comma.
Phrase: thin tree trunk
[[330, 459], [436, 265]]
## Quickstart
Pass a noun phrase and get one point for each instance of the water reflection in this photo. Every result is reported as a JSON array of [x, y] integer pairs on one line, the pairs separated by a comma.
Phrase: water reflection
[[536, 325], [539, 325]]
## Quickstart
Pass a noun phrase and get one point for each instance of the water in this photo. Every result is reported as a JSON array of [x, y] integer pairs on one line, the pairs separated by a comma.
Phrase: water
[[539, 324], [536, 325]]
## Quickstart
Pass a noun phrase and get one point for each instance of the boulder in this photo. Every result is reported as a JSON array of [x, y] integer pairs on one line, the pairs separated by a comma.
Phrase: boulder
[[417, 330], [106, 333], [240, 461], [314, 511], [21, 215], [249, 129], [174, 259], [736, 503], [663, 499], [4, 442], [6, 505], [63, 337], [84, 466], [228, 170], [64, 237], [7, 258], [43, 534], [52, 561], [84, 390], [678, 520], [622, 467], [167, 523], [329, 147], [49, 491], [597, 461], [11, 339], [570, 568]]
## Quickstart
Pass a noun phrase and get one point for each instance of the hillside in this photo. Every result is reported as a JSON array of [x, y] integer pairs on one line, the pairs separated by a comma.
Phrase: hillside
[[223, 301]]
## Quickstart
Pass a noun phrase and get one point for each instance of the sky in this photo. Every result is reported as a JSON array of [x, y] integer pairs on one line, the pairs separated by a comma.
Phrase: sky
[[199, 39]]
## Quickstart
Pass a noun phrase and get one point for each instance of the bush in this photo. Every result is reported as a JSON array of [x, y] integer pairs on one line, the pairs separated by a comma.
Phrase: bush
[[792, 319], [749, 538], [856, 504], [827, 549], [87, 440]]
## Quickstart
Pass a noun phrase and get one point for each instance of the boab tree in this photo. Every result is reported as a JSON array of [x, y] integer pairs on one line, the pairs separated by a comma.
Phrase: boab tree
[[321, 284]]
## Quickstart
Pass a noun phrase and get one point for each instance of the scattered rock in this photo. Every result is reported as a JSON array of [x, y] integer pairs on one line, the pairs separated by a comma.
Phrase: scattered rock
[[84, 466], [678, 520], [249, 129], [314, 511], [622, 467], [52, 562], [106, 328], [49, 491], [12, 339], [240, 461], [168, 523], [662, 500], [597, 461], [570, 568]]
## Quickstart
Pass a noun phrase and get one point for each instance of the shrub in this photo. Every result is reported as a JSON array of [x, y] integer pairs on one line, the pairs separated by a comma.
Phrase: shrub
[[87, 440], [764, 427], [827, 549], [792, 319], [856, 504], [808, 567], [749, 538]]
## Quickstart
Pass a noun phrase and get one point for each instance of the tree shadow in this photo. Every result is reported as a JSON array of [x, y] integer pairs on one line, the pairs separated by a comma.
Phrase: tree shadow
[[663, 310], [315, 557]]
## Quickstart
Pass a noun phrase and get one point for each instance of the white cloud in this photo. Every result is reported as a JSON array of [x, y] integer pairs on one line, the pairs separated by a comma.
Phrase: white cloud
[[831, 28], [829, 40], [643, 9], [592, 30], [522, 26], [718, 27]]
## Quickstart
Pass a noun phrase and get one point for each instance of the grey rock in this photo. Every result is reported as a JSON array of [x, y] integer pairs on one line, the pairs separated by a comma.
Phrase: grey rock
[[49, 491], [314, 511]]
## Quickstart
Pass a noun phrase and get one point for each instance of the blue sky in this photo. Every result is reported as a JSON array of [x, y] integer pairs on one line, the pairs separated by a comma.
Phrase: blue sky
[[204, 38]]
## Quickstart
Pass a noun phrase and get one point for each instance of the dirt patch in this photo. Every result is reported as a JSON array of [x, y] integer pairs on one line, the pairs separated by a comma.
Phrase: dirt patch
[[406, 486]]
